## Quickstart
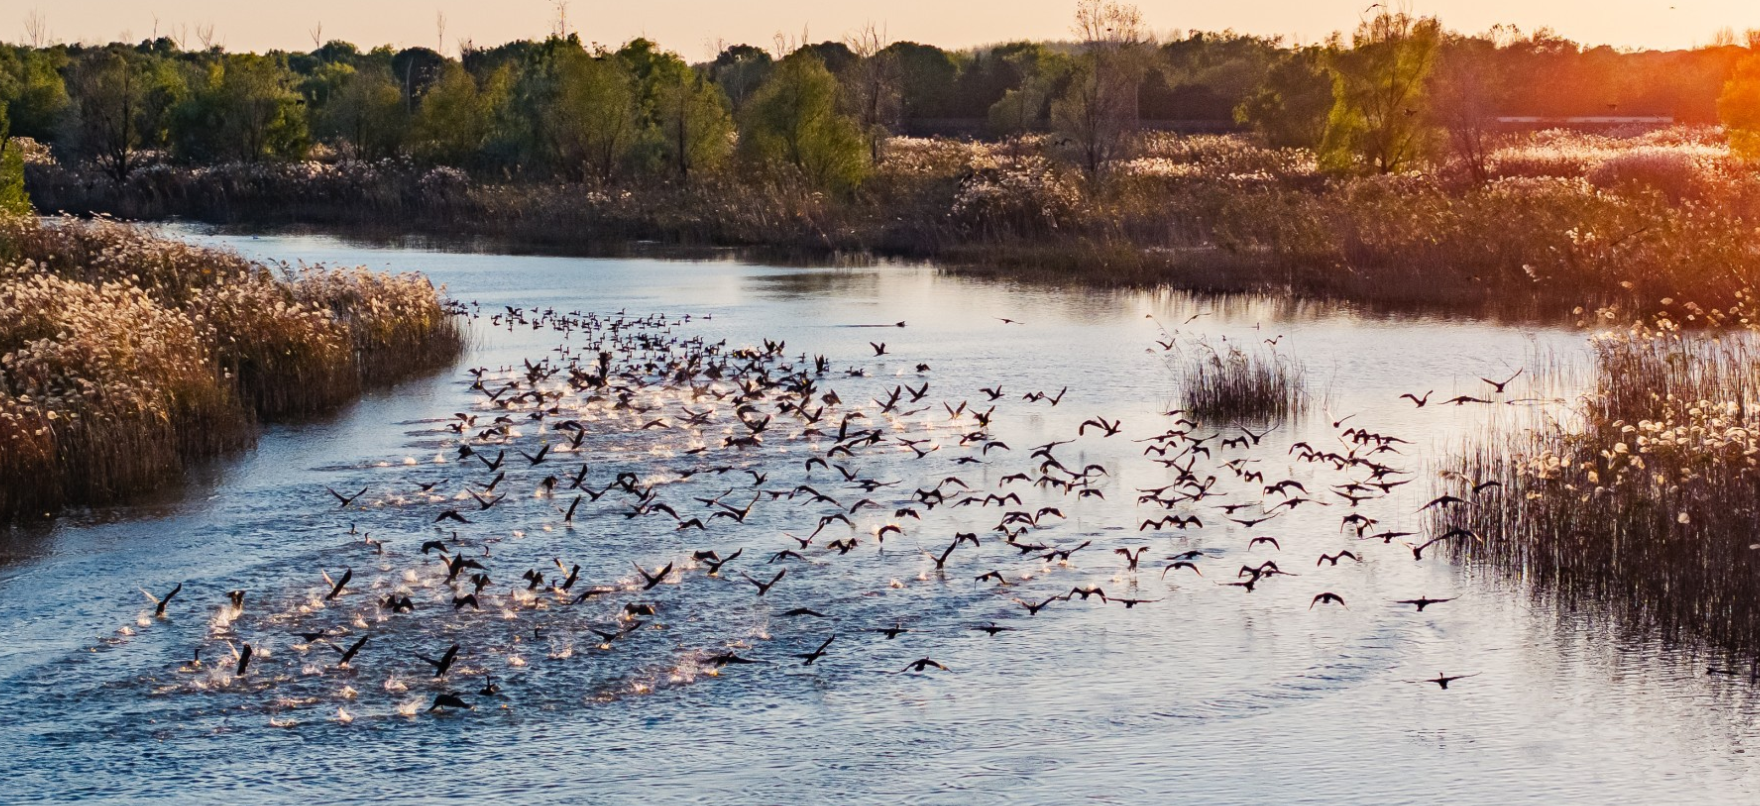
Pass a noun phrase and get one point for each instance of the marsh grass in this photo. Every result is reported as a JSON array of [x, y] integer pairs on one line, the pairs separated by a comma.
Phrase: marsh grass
[[124, 356], [1236, 385], [1566, 218], [1645, 499]]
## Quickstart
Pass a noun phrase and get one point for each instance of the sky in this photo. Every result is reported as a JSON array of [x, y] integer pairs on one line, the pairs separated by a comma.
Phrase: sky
[[693, 27]]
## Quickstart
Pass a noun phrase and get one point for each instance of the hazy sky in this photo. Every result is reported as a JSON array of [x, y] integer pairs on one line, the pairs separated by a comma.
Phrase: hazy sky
[[692, 26]]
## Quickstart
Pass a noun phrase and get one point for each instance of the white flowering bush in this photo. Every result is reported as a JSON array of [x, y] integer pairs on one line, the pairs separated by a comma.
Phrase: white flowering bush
[[1015, 197]]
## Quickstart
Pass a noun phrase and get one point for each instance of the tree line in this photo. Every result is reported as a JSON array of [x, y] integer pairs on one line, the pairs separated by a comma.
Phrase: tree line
[[1395, 91]]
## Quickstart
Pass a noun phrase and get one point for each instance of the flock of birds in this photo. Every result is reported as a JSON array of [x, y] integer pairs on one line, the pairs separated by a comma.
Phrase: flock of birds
[[747, 466]]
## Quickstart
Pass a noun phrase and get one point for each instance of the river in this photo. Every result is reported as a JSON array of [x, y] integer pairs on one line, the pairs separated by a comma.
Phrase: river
[[1201, 693]]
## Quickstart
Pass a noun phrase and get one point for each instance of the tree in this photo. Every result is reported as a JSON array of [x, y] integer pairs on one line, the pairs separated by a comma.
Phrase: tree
[[1039, 70], [928, 80], [261, 114], [108, 94], [32, 90], [366, 113], [739, 70], [694, 124], [1466, 89], [1739, 108], [1379, 117], [593, 122], [417, 70], [1290, 108], [13, 200], [1097, 114], [453, 121], [793, 122], [872, 89]]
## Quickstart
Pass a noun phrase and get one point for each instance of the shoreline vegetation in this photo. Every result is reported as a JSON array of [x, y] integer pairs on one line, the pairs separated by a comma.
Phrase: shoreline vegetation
[[125, 356], [1564, 219], [1379, 167]]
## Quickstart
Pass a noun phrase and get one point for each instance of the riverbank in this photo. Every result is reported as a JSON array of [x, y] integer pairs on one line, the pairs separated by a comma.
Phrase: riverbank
[[1565, 220], [125, 356]]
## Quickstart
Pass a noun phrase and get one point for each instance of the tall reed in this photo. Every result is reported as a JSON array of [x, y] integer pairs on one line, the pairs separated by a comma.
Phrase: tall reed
[[1644, 501], [1233, 384], [124, 355]]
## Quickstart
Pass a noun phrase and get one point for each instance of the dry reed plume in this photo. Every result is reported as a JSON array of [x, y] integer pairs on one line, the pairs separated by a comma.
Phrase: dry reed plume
[[124, 355]]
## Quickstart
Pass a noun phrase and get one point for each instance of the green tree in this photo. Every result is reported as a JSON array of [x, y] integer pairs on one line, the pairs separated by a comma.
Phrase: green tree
[[13, 200], [694, 126], [1738, 106], [1023, 108], [365, 113], [32, 90], [454, 119], [793, 122], [1290, 108], [594, 122], [739, 71], [262, 115], [108, 93], [1380, 117]]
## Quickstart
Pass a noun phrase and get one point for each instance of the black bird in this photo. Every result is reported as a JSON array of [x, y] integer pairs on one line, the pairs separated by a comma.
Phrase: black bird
[[1444, 679], [1423, 602], [1107, 429], [347, 499], [348, 654], [1180, 564], [651, 580], [726, 658], [1130, 603], [808, 658], [1131, 556], [922, 665], [1498, 385], [879, 347], [444, 663], [714, 563], [892, 632], [804, 611], [448, 699], [434, 545], [458, 602], [1442, 500], [1334, 558], [1327, 598], [764, 587], [336, 590], [1419, 401], [159, 611], [244, 660], [993, 629]]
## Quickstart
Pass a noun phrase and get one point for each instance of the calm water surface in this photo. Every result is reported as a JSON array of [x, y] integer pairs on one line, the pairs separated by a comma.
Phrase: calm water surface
[[1204, 695]]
